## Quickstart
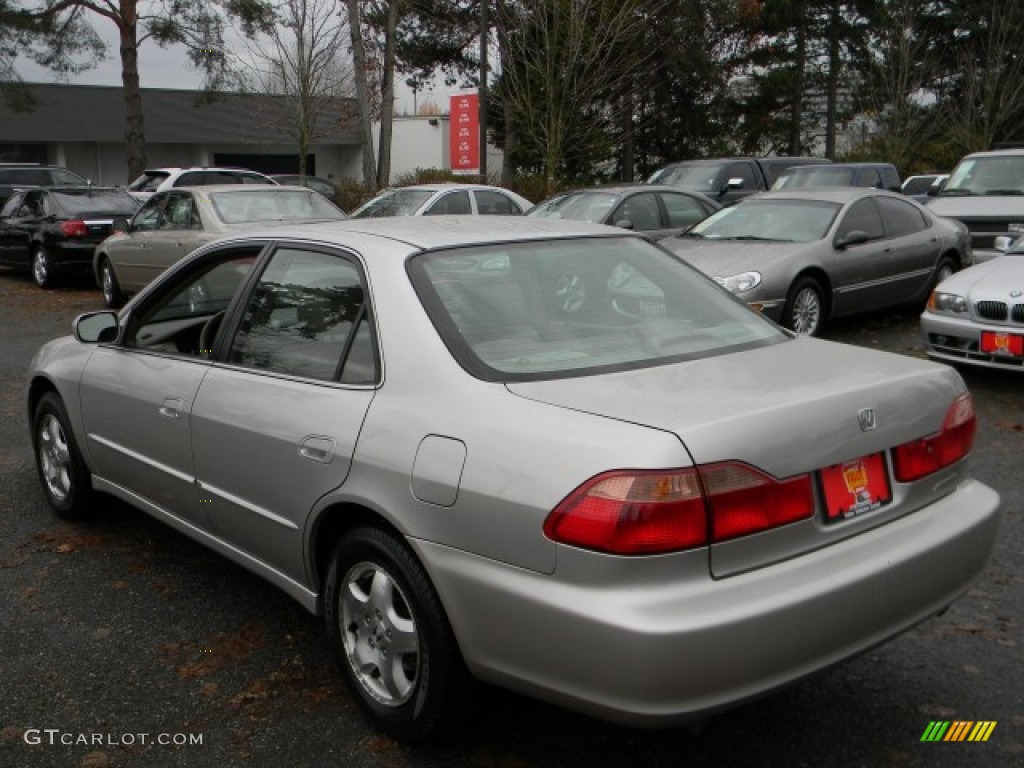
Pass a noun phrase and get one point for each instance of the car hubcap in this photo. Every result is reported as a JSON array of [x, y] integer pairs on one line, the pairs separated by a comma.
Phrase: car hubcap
[[380, 636], [55, 458], [108, 284], [39, 269], [570, 293], [806, 311]]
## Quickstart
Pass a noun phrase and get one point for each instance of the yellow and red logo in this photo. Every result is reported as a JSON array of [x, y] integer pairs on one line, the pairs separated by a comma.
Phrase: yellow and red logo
[[958, 730]]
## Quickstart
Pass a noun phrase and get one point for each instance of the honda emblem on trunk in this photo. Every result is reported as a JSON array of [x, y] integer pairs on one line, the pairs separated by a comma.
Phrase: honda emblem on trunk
[[866, 419]]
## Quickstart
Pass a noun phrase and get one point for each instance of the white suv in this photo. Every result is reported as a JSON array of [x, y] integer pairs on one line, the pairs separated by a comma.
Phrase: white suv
[[155, 180]]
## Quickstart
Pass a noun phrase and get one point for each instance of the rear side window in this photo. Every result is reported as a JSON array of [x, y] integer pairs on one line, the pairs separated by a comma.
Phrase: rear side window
[[149, 181], [307, 317], [490, 203], [901, 218]]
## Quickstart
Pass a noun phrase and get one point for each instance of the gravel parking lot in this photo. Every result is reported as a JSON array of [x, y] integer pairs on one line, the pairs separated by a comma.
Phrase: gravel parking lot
[[125, 644]]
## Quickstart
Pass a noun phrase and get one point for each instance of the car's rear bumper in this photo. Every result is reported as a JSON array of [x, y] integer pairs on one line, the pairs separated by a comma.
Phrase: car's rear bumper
[[670, 647], [958, 340]]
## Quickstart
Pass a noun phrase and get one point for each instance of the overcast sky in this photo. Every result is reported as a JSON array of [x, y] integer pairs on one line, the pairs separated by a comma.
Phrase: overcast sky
[[171, 68]]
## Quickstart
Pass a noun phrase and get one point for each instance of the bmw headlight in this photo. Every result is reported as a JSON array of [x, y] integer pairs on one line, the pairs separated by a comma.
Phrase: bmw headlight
[[947, 302], [740, 283]]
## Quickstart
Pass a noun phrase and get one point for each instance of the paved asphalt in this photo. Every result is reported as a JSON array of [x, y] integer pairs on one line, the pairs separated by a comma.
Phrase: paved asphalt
[[118, 634]]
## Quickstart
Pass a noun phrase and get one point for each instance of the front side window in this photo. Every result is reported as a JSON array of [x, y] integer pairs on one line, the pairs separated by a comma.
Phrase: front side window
[[537, 310], [307, 317], [862, 216], [450, 204], [641, 210], [148, 217], [180, 212], [172, 320]]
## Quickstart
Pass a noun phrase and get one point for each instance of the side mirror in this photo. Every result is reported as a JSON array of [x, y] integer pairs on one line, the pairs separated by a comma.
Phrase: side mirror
[[1002, 243], [624, 224], [120, 225], [734, 183], [96, 327], [855, 237]]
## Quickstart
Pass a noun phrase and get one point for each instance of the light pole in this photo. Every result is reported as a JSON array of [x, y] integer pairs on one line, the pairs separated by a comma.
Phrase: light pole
[[482, 90]]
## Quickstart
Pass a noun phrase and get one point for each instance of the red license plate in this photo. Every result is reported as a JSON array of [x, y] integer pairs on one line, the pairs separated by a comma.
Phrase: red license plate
[[855, 487], [1000, 343]]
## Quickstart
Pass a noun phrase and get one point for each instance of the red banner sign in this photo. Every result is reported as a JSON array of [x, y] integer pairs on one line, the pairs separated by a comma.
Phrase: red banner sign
[[464, 132]]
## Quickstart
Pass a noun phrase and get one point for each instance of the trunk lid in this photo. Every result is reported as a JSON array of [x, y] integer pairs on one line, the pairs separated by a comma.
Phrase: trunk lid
[[788, 409]]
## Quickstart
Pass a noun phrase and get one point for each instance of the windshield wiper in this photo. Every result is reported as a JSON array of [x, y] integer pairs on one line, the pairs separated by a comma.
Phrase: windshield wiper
[[755, 237], [956, 193], [1004, 192]]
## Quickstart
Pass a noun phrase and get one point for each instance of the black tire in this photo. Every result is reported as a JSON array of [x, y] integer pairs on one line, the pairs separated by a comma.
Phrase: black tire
[[805, 307], [42, 268], [113, 296], [62, 471], [945, 269], [379, 603]]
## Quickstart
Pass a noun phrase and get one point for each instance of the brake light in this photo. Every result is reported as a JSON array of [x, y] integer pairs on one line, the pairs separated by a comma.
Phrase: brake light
[[920, 458], [745, 500], [648, 512], [74, 228]]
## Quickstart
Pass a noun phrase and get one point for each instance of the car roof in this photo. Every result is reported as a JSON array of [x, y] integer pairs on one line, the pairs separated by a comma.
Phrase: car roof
[[435, 186], [430, 232], [838, 195], [207, 189], [996, 153], [811, 167]]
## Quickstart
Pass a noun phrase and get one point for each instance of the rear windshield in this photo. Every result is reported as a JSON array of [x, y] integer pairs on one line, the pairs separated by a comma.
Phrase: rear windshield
[[80, 202], [273, 204], [148, 181], [814, 177], [559, 308]]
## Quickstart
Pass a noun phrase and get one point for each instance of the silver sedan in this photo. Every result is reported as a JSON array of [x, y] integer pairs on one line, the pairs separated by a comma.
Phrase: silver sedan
[[803, 257], [547, 455], [173, 223]]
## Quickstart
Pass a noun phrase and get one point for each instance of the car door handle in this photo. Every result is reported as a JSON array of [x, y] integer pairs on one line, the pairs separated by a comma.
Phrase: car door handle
[[172, 407], [317, 448]]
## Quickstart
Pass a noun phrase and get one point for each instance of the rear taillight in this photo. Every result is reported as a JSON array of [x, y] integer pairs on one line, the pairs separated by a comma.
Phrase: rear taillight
[[745, 500], [920, 458], [647, 512], [74, 228]]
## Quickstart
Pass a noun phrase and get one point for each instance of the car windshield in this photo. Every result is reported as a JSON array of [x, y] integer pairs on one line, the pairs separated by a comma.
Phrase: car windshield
[[990, 175], [696, 176], [581, 206], [561, 308], [815, 177], [797, 221], [272, 204], [79, 202], [397, 202]]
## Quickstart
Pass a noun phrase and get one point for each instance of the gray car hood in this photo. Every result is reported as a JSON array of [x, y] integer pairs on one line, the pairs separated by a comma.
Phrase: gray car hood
[[721, 258], [997, 277], [984, 206], [786, 408]]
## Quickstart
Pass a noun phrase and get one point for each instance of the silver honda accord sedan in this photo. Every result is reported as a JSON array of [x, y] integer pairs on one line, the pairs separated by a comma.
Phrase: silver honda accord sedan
[[547, 455]]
